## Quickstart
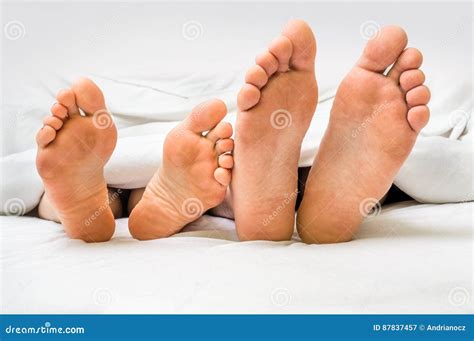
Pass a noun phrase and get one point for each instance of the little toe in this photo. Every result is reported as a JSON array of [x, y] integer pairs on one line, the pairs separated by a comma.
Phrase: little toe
[[256, 76], [248, 97], [223, 130], [224, 146], [226, 161], [59, 111], [282, 49], [45, 136], [411, 79], [205, 116], [268, 62], [53, 121], [383, 50], [418, 96], [67, 98], [410, 59], [418, 117], [223, 176]]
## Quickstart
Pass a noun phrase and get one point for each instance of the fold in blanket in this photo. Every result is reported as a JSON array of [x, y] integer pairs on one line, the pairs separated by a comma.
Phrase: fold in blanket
[[439, 170]]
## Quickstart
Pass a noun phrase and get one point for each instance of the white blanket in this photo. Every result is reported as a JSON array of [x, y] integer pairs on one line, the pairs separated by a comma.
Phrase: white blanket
[[409, 259], [439, 169], [129, 66]]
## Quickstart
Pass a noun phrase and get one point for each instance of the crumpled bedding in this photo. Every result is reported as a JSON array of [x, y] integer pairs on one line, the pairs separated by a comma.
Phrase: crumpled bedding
[[438, 170]]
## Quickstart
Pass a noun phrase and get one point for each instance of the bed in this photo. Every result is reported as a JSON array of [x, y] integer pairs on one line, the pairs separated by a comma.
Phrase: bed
[[412, 257]]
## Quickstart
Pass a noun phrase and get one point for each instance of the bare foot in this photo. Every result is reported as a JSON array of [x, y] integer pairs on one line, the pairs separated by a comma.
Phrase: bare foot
[[276, 106], [374, 123], [193, 178], [72, 152]]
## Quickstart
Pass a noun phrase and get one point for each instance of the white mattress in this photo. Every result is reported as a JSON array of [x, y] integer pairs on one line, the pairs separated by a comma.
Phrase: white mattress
[[411, 258]]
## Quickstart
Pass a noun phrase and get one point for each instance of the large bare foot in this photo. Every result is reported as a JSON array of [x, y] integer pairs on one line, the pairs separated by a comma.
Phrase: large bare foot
[[72, 152], [193, 178], [374, 123], [276, 106]]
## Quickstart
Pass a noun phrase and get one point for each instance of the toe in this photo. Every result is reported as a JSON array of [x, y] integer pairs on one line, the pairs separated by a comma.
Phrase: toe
[[303, 45], [205, 116], [223, 130], [248, 97], [226, 161], [282, 49], [224, 146], [418, 117], [45, 136], [418, 96], [410, 59], [88, 96], [268, 62], [256, 76], [382, 51], [411, 79], [223, 176], [67, 98], [53, 122], [58, 110]]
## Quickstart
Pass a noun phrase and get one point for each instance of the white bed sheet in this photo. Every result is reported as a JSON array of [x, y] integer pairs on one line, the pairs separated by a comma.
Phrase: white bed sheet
[[411, 258]]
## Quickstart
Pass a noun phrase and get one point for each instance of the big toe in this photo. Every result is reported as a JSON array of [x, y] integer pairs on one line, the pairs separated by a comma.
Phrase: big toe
[[88, 96], [382, 51], [304, 45], [206, 116]]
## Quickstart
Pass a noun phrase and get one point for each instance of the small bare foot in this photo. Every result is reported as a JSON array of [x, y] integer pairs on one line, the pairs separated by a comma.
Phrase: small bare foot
[[193, 178], [276, 106], [374, 123], [72, 152]]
